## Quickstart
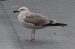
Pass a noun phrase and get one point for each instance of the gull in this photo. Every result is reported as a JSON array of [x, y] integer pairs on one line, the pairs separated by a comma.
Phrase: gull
[[35, 21]]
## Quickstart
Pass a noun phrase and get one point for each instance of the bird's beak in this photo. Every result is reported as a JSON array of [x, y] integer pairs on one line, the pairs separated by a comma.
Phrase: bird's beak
[[15, 11]]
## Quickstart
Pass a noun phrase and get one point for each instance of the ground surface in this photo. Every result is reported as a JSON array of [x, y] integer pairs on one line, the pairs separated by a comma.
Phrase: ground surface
[[61, 10]]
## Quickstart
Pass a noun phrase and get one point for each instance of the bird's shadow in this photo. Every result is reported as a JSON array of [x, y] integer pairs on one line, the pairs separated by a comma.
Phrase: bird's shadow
[[38, 42]]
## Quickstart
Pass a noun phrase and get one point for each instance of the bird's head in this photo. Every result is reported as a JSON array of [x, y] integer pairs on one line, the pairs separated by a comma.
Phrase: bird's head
[[22, 9]]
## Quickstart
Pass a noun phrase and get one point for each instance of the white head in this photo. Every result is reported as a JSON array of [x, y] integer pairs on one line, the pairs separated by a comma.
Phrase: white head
[[22, 9]]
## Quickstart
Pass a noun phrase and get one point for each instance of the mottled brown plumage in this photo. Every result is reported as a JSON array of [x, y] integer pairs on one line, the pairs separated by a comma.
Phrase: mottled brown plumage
[[37, 20]]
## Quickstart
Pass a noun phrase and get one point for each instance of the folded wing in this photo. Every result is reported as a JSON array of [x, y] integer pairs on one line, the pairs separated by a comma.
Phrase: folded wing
[[36, 19]]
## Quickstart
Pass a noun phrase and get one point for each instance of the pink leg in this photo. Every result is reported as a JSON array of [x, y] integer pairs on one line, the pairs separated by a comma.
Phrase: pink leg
[[33, 35]]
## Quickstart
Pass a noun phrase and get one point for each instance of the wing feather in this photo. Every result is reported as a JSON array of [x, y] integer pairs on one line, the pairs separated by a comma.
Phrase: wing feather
[[35, 19]]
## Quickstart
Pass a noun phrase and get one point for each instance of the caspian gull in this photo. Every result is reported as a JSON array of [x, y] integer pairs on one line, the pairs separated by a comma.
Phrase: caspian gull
[[35, 21]]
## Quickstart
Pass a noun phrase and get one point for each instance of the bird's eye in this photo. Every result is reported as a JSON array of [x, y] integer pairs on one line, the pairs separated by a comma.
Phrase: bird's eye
[[22, 9]]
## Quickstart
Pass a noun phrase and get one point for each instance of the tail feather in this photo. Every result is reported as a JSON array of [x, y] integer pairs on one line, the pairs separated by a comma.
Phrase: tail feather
[[55, 24]]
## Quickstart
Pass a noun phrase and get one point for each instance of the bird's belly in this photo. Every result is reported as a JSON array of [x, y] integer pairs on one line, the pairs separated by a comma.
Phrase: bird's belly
[[31, 26]]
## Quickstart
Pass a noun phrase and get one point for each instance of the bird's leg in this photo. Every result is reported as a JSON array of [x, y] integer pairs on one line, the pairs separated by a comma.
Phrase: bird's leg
[[33, 34]]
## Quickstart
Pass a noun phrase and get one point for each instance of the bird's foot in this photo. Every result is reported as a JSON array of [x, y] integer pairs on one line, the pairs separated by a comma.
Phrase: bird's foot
[[32, 39]]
